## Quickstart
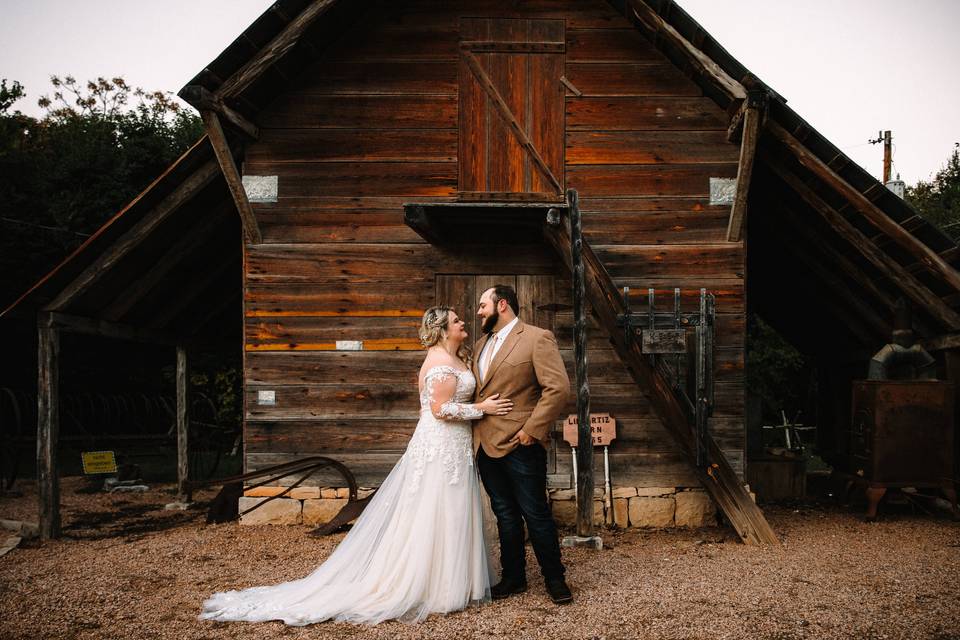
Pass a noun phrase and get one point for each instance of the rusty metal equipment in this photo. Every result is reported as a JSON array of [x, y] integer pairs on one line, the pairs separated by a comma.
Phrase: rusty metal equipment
[[902, 429], [902, 436], [683, 356], [225, 505]]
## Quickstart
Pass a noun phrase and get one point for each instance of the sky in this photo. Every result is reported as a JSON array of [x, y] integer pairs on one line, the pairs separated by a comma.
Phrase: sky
[[849, 67]]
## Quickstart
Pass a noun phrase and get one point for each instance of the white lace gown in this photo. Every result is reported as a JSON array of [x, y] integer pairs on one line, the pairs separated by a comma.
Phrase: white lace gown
[[418, 548]]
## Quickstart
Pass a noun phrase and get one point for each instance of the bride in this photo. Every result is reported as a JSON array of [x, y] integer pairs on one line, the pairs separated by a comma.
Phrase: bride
[[418, 547]]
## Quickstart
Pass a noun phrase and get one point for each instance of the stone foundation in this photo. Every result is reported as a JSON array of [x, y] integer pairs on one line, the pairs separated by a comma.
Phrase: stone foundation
[[640, 507], [637, 507], [301, 505]]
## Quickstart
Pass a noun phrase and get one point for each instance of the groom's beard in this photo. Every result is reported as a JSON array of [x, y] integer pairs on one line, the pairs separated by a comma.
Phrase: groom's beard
[[491, 322]]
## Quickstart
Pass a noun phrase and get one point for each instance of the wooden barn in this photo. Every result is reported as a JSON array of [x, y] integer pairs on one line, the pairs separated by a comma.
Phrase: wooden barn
[[364, 161]]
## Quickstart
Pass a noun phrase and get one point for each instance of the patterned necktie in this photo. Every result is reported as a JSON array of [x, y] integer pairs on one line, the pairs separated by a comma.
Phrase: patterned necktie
[[488, 356]]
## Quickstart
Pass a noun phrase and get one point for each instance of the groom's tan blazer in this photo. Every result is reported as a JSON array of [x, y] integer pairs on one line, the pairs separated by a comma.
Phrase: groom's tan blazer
[[527, 369]]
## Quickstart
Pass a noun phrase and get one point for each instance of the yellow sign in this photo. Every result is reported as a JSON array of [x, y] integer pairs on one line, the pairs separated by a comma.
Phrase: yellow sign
[[603, 428], [99, 462]]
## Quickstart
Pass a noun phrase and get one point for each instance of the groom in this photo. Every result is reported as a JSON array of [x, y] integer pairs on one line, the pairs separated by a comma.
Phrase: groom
[[520, 362]]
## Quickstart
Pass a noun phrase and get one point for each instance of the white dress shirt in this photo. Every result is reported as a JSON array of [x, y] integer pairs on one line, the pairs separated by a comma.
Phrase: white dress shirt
[[494, 342]]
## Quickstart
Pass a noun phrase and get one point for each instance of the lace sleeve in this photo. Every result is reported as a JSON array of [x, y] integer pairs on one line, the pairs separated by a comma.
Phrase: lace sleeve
[[440, 386]]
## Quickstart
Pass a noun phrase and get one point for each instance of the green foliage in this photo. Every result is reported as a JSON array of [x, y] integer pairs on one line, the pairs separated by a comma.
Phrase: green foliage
[[776, 372], [63, 175], [9, 95], [223, 386], [939, 199]]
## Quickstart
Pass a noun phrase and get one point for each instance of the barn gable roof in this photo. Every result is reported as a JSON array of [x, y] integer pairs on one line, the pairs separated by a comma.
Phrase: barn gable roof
[[856, 242], [845, 237]]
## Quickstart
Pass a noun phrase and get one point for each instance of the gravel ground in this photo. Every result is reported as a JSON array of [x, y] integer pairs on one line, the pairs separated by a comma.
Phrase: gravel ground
[[128, 569]]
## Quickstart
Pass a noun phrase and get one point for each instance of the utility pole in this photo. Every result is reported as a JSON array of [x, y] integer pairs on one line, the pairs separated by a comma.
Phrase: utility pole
[[887, 156], [886, 138]]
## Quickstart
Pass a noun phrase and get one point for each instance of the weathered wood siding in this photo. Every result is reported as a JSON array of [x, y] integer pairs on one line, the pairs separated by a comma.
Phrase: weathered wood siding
[[374, 125]]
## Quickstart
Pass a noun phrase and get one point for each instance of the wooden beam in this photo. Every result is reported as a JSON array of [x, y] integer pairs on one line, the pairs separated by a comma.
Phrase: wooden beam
[[191, 240], [870, 211], [911, 224], [837, 258], [107, 329], [415, 217], [273, 51], [229, 168], [718, 477], [949, 255], [908, 284], [183, 425], [182, 194], [569, 85], [489, 46], [864, 319], [48, 426], [504, 110], [204, 100], [657, 27], [736, 123], [584, 434], [840, 261], [748, 151]]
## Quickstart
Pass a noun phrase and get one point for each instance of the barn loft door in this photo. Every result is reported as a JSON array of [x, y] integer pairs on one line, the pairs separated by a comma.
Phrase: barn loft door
[[511, 109]]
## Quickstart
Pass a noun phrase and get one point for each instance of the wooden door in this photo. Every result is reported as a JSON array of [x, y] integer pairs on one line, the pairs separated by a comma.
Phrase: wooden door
[[511, 139], [537, 298]]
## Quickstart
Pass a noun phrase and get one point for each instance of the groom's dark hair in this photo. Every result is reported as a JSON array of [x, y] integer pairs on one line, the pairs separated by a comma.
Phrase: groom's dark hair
[[505, 292]]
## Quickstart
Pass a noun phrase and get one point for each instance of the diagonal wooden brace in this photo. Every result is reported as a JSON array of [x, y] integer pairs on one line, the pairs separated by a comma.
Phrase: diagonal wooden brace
[[509, 119], [232, 176]]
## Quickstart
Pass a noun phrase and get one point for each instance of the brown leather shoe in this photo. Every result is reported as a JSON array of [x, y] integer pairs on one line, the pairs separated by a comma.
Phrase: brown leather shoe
[[507, 588], [559, 591]]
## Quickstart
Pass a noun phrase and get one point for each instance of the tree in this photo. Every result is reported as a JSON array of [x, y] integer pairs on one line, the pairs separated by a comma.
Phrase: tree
[[13, 126], [777, 374], [63, 175], [939, 199]]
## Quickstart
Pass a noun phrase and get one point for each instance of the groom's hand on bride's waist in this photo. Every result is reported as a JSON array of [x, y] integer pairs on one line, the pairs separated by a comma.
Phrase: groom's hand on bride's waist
[[524, 438]]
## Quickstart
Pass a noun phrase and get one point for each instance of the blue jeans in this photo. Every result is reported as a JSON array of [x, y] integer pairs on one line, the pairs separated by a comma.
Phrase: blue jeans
[[517, 485]]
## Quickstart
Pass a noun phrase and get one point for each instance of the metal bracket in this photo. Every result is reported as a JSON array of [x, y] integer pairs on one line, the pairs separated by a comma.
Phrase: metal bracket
[[664, 337]]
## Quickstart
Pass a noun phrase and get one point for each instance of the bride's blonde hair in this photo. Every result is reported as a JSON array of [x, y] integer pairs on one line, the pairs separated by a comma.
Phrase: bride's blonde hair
[[433, 330]]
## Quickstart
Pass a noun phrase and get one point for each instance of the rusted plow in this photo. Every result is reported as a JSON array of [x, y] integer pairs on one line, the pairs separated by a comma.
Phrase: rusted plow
[[225, 506]]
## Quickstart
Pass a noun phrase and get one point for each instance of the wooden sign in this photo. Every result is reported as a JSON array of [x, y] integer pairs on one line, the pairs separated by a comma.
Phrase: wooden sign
[[664, 341], [99, 462], [603, 427]]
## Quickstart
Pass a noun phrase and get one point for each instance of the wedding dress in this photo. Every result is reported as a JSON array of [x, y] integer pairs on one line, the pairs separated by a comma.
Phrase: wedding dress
[[418, 547]]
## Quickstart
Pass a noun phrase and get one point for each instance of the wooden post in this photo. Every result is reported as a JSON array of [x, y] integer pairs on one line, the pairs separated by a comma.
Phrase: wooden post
[[748, 150], [887, 156], [48, 426], [232, 176], [183, 422], [585, 533]]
